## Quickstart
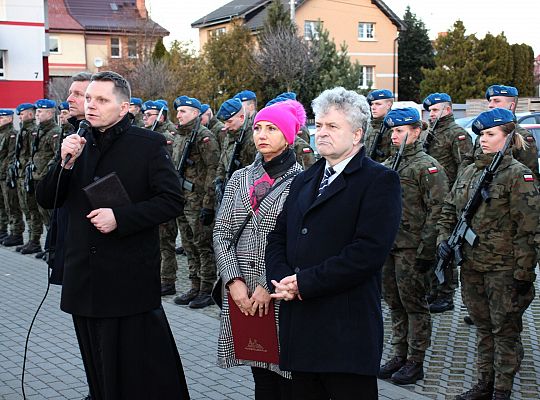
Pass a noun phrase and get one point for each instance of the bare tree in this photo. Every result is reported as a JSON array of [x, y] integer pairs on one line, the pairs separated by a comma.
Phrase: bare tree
[[151, 79], [58, 88]]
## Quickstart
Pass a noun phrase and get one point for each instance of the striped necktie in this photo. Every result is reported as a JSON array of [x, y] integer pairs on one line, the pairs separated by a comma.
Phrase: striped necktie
[[328, 172]]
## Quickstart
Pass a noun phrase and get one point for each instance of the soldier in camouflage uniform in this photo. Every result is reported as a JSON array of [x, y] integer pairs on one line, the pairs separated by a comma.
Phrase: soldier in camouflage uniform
[[10, 170], [6, 131], [448, 143], [424, 187], [200, 170], [249, 102], [213, 124], [497, 274], [380, 102], [507, 97], [135, 108], [167, 230]]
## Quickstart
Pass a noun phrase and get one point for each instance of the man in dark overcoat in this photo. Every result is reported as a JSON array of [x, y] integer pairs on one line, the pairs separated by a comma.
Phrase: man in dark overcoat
[[325, 257], [111, 282]]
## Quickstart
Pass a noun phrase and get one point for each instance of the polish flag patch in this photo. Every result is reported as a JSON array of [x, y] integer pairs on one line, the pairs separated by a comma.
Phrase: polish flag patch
[[433, 170], [206, 139], [169, 141], [529, 139], [306, 150], [528, 178], [55, 136], [461, 137]]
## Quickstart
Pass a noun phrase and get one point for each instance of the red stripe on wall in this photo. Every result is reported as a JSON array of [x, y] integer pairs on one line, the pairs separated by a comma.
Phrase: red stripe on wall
[[67, 65], [20, 23], [13, 93]]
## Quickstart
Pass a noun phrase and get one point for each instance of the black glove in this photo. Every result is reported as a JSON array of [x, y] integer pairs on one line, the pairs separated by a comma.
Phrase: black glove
[[423, 266], [206, 216], [444, 251], [522, 287]]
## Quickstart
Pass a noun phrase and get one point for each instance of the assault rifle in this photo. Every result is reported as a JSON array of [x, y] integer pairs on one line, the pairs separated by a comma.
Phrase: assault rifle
[[154, 125], [31, 167], [15, 165], [399, 154], [462, 231], [374, 151], [184, 160], [431, 132]]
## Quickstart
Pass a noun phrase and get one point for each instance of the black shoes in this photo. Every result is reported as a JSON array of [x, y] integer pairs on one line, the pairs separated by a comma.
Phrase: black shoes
[[468, 320], [3, 236], [501, 395], [13, 240], [202, 300], [168, 289], [441, 305], [481, 391], [31, 248], [40, 255], [411, 372], [185, 298], [179, 250], [395, 363]]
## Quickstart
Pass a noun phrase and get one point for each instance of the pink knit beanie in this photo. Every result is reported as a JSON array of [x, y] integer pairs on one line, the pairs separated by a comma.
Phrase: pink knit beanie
[[288, 116]]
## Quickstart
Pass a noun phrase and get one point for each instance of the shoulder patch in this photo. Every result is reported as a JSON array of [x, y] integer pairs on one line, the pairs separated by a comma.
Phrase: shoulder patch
[[528, 178], [206, 139], [12, 136], [433, 170], [34, 133], [169, 141], [529, 139], [461, 137], [306, 150], [55, 135]]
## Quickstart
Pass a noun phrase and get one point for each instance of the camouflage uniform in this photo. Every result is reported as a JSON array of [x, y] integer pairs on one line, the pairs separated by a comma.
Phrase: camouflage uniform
[[13, 208], [449, 145], [304, 134], [4, 133], [138, 120], [247, 153], [424, 186], [506, 228], [304, 153], [168, 230], [26, 132], [201, 172], [384, 148], [217, 128]]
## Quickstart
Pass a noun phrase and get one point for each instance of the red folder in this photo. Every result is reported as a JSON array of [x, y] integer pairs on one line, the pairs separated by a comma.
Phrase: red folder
[[255, 338]]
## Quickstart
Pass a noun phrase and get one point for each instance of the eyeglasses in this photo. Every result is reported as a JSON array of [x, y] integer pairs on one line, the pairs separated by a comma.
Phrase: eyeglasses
[[148, 115]]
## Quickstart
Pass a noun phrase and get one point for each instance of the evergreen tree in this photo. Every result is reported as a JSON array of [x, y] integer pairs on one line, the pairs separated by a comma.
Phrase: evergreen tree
[[457, 70], [496, 58], [160, 51], [277, 16], [414, 53], [523, 79]]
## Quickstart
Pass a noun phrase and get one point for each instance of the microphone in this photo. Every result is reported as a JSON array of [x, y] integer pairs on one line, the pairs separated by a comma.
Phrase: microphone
[[84, 125]]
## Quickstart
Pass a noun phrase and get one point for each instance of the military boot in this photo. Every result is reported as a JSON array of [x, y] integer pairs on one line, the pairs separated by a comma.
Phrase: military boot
[[19, 248], [468, 320], [31, 248], [203, 299], [13, 240], [3, 236], [441, 305], [411, 372], [40, 255], [501, 394], [481, 391], [395, 363], [167, 289], [185, 298]]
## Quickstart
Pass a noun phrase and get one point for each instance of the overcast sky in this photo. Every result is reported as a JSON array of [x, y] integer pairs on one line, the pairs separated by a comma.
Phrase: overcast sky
[[519, 19]]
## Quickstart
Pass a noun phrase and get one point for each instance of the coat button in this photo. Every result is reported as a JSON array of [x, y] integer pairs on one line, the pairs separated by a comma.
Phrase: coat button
[[304, 231], [93, 250], [297, 270]]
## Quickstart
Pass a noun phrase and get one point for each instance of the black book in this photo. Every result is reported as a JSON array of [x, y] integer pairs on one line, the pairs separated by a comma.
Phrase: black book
[[107, 192]]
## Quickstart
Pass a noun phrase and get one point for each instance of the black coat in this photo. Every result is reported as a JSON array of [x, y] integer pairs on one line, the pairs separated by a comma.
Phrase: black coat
[[115, 274], [336, 244]]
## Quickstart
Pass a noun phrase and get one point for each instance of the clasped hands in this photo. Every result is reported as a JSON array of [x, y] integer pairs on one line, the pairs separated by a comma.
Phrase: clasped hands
[[259, 300], [286, 289]]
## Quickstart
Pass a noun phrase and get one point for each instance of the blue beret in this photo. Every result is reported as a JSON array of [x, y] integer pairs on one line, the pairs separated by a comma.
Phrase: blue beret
[[245, 95], [63, 106], [491, 118], [46, 103], [379, 95], [401, 116], [282, 97], [229, 109], [24, 106], [136, 101], [5, 111], [154, 105], [187, 101], [204, 108], [501, 90], [435, 98]]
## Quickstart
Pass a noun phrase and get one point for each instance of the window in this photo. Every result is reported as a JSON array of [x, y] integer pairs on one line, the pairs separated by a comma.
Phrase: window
[[311, 29], [218, 32], [115, 47], [132, 48], [366, 31], [54, 45], [2, 64], [368, 77]]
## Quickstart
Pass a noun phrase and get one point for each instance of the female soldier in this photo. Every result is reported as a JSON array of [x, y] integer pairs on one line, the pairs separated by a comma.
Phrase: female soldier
[[424, 187], [255, 195], [497, 274]]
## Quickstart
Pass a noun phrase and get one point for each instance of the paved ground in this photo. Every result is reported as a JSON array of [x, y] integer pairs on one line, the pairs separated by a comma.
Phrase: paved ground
[[54, 369]]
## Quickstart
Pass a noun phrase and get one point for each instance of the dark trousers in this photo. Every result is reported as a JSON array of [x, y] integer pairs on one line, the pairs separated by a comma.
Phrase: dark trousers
[[335, 386], [132, 357], [270, 385]]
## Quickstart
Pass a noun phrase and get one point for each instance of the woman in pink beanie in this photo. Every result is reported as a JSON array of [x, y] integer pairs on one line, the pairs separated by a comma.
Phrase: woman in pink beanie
[[252, 201]]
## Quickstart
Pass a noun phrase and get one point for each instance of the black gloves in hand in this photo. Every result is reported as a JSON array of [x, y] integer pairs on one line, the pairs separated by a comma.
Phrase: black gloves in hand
[[444, 251], [206, 216], [522, 287], [423, 266]]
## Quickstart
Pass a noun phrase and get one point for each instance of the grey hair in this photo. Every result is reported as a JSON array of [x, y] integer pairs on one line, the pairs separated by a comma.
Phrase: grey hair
[[353, 105], [82, 77]]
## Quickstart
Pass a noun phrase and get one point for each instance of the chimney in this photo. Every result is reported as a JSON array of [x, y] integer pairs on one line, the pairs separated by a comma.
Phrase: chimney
[[141, 8]]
